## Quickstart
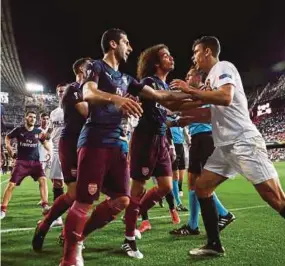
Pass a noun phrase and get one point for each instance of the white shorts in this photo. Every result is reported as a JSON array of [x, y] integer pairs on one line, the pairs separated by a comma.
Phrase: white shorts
[[46, 166], [247, 157], [55, 169]]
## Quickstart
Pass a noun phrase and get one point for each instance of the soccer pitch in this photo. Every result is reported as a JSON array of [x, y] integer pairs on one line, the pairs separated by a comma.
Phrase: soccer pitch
[[257, 237]]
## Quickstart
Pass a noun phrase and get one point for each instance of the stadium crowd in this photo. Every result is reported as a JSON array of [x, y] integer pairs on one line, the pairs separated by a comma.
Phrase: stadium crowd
[[18, 104]]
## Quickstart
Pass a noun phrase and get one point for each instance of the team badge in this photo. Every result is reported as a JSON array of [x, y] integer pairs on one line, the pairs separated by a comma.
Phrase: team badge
[[145, 171], [119, 92], [36, 136], [223, 76], [125, 79], [92, 189]]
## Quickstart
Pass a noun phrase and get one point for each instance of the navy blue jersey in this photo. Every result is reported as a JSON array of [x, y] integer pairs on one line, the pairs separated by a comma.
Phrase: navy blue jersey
[[154, 115], [103, 126], [28, 141], [73, 120]]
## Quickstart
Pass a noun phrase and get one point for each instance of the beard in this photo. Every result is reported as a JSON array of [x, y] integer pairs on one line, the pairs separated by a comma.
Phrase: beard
[[30, 124], [120, 56]]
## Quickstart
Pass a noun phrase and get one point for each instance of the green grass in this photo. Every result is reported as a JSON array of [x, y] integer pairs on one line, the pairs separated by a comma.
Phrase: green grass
[[256, 238]]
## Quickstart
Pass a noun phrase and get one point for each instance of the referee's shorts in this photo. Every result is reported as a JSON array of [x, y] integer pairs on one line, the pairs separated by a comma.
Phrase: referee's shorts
[[202, 146]]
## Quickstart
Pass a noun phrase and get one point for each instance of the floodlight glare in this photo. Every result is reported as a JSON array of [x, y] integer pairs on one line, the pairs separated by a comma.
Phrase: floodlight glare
[[34, 87]]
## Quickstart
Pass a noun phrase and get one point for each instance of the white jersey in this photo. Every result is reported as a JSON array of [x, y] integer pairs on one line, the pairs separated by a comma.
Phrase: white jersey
[[42, 151], [230, 123], [57, 121]]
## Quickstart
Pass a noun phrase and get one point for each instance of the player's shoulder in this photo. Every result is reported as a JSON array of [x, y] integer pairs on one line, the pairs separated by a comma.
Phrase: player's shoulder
[[19, 128], [38, 130], [55, 111], [150, 81], [95, 65], [52, 112], [225, 65], [72, 87]]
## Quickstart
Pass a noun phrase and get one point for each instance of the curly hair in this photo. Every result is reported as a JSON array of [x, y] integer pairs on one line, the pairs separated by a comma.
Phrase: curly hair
[[147, 60]]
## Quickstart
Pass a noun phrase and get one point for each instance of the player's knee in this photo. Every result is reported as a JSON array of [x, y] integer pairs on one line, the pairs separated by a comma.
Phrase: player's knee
[[202, 190], [69, 198], [123, 202], [165, 188], [175, 175], [57, 183], [42, 180], [138, 188], [11, 186], [119, 204], [71, 192]]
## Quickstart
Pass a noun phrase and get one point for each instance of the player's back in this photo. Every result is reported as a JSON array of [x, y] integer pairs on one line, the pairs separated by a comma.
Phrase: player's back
[[73, 120]]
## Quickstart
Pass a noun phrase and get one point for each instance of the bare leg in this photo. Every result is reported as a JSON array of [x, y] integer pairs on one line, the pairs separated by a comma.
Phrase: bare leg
[[8, 193], [271, 192], [43, 189]]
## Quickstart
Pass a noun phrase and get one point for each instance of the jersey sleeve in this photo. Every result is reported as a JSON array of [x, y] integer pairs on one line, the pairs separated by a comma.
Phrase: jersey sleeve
[[135, 87], [14, 133], [93, 71], [224, 75], [73, 96], [149, 82]]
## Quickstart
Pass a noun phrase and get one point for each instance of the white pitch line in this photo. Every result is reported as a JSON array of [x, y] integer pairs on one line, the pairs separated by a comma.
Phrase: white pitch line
[[187, 214], [6, 180], [118, 221]]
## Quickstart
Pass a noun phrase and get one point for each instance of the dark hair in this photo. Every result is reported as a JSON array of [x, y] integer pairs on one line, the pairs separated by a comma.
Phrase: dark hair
[[62, 84], [30, 112], [44, 114], [147, 60], [110, 35], [78, 63], [210, 42]]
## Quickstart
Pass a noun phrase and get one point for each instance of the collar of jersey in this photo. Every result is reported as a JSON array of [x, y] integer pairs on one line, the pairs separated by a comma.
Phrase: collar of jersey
[[111, 71]]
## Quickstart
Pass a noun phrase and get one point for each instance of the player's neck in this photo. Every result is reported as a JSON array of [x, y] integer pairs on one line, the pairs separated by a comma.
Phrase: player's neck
[[79, 78], [161, 75], [29, 128], [111, 60], [212, 62]]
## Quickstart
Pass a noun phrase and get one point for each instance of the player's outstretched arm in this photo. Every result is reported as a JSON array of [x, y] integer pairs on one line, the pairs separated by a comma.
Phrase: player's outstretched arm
[[162, 96], [222, 96], [197, 115], [183, 105], [93, 95]]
